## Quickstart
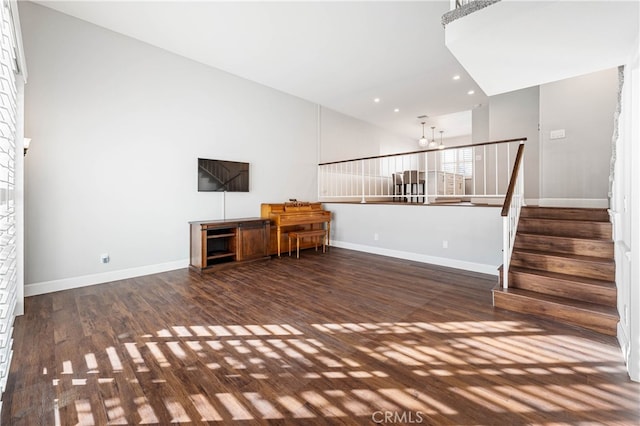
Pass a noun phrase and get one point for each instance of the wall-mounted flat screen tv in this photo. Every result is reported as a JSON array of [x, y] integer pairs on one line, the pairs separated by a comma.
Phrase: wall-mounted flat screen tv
[[222, 176]]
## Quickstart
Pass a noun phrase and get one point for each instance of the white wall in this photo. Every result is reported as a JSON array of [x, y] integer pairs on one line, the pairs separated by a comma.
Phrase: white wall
[[572, 171], [625, 209], [480, 124], [633, 182], [345, 138], [117, 127], [510, 116], [455, 141], [514, 115], [577, 167], [473, 234]]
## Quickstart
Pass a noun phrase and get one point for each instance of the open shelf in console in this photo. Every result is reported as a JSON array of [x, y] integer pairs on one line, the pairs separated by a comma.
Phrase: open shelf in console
[[220, 245]]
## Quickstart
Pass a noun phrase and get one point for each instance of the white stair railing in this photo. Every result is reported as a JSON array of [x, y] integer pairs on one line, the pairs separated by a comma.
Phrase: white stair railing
[[478, 172], [514, 200]]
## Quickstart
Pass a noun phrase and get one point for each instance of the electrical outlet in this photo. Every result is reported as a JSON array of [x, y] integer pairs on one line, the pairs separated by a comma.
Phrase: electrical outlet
[[445, 244], [375, 236], [104, 258]]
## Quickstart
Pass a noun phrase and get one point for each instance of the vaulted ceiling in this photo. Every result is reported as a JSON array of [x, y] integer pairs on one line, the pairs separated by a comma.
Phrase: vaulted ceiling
[[342, 55], [346, 55]]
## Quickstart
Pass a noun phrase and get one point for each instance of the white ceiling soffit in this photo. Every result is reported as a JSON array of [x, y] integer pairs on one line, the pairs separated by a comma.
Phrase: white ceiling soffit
[[514, 44], [340, 55]]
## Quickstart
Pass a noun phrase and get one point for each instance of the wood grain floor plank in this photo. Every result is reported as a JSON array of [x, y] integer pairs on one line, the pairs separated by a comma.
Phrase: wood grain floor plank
[[336, 338]]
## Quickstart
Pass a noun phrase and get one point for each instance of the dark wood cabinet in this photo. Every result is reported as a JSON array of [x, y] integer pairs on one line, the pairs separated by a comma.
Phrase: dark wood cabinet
[[253, 240], [219, 243]]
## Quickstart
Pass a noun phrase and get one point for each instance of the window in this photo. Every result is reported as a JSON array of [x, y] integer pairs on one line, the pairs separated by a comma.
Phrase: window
[[458, 161], [8, 280]]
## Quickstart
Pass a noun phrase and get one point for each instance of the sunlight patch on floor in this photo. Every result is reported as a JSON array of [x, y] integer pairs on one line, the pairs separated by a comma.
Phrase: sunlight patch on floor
[[495, 350]]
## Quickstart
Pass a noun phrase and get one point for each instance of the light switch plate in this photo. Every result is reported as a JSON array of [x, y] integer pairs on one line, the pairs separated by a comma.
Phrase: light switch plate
[[556, 134]]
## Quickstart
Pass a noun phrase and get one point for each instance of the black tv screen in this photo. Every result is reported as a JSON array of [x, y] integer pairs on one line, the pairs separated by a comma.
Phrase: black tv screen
[[222, 176]]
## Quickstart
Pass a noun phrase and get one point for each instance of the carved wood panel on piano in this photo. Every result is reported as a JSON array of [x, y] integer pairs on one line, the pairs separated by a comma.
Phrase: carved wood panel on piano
[[294, 216]]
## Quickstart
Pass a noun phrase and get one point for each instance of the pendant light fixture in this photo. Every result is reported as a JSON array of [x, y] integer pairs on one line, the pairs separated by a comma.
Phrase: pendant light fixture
[[441, 146], [422, 142], [432, 143]]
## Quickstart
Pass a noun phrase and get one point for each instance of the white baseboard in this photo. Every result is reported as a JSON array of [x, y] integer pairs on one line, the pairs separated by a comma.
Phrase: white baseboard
[[592, 203], [441, 261], [623, 341], [87, 280]]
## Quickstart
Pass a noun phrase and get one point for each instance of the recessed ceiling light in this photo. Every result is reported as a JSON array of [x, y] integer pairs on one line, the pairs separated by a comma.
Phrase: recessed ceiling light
[[396, 110], [471, 92], [456, 77], [376, 100]]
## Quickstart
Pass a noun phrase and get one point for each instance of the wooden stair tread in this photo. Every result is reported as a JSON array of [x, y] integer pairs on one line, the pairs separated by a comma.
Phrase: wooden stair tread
[[561, 220], [602, 310], [594, 230], [568, 213], [582, 245], [601, 260], [598, 289], [562, 268], [561, 237], [580, 209], [564, 277]]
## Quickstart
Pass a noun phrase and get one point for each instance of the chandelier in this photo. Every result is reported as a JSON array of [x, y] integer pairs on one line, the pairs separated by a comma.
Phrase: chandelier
[[422, 142], [425, 142]]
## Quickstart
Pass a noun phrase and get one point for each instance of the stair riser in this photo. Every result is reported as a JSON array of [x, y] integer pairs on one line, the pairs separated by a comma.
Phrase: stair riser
[[591, 320], [595, 248], [598, 270], [560, 228], [597, 215], [564, 288]]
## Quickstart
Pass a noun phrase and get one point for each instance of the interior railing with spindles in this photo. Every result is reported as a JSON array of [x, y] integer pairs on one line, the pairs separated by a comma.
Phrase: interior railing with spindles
[[513, 202], [475, 173]]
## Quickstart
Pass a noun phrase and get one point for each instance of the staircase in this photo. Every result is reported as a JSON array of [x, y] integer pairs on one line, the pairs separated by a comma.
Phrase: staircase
[[562, 268]]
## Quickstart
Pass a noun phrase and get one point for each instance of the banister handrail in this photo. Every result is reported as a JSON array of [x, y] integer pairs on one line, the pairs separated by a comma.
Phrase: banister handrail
[[424, 150], [513, 202], [512, 182]]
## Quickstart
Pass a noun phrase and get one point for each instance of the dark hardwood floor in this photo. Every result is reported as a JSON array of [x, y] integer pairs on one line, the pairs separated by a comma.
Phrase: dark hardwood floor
[[336, 338]]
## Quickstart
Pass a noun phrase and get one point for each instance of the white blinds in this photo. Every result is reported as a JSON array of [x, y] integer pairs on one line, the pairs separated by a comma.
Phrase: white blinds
[[8, 116], [458, 161]]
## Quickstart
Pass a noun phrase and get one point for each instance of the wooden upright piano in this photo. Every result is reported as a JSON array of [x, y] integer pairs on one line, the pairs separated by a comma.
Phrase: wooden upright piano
[[294, 216]]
